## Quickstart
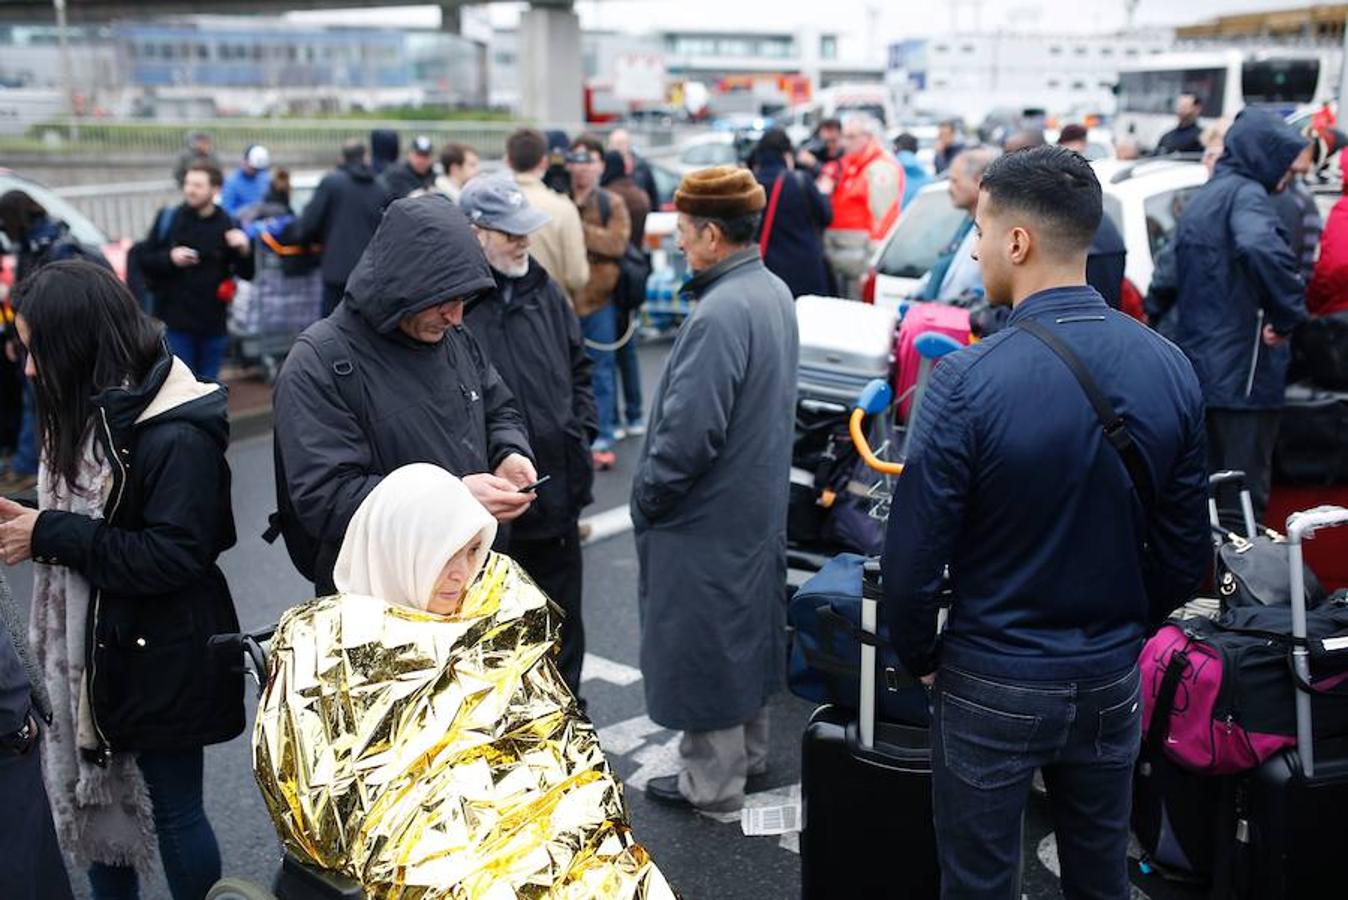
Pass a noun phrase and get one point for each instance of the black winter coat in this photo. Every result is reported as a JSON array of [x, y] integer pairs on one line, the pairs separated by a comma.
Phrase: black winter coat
[[439, 403], [1181, 139], [400, 179], [342, 216], [187, 298], [158, 594], [796, 245], [1234, 270], [532, 337]]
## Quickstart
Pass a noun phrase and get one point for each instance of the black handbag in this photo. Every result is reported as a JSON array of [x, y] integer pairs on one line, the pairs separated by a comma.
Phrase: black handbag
[[1253, 572]]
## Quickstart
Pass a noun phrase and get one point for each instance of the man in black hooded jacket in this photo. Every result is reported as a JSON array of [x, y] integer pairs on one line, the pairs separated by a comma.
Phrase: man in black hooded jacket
[[533, 337], [392, 377], [342, 215]]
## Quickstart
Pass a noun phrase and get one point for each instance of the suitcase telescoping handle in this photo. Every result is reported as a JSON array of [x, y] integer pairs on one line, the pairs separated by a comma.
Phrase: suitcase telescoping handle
[[1232, 476], [1303, 525], [870, 606]]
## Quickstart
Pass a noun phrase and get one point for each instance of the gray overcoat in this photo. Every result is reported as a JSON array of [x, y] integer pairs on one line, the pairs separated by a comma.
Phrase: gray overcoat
[[709, 502]]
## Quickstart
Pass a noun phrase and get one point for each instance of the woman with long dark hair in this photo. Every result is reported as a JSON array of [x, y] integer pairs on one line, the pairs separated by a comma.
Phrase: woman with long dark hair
[[134, 497]]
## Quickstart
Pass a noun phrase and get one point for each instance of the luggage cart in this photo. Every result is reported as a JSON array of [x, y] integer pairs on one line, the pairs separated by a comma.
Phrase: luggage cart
[[284, 298]]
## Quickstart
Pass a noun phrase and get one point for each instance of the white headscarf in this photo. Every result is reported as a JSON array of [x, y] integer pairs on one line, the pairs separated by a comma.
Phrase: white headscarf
[[404, 532]]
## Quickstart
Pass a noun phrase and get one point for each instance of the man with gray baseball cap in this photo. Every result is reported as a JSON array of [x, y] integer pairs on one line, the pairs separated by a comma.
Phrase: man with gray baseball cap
[[532, 336]]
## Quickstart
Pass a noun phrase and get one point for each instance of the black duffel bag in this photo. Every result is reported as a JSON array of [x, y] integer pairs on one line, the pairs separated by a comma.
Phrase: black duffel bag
[[1312, 445], [1320, 351]]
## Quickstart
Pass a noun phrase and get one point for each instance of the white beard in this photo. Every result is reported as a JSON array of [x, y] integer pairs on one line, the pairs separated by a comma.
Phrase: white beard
[[511, 270]]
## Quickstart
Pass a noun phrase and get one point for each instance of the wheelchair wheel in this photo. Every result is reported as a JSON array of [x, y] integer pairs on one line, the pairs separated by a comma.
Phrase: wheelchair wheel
[[238, 889]]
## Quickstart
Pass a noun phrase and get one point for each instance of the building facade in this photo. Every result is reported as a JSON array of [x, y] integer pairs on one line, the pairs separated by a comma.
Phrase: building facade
[[971, 75]]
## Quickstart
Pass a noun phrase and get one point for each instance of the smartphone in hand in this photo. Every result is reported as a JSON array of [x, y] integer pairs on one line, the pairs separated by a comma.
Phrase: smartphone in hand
[[531, 488]]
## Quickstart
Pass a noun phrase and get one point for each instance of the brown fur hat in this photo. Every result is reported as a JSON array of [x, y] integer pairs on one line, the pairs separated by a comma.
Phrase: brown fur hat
[[721, 192]]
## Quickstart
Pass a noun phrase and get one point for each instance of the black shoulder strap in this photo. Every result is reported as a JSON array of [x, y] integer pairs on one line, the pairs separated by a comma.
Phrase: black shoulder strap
[[1158, 729], [605, 206], [1116, 430], [335, 354]]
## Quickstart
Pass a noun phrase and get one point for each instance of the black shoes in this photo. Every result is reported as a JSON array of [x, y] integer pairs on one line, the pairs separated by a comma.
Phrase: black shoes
[[665, 790]]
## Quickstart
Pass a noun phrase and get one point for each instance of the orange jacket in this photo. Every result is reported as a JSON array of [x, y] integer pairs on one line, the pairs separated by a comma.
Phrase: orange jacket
[[866, 197]]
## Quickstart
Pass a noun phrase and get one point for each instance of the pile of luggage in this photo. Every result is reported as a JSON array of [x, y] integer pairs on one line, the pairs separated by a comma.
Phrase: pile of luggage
[[837, 503], [1242, 779]]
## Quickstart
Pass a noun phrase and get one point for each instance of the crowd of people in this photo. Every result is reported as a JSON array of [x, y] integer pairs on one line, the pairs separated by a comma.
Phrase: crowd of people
[[474, 327]]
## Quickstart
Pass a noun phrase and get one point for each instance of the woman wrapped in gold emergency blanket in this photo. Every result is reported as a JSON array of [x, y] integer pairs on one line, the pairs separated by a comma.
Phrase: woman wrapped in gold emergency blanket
[[415, 734]]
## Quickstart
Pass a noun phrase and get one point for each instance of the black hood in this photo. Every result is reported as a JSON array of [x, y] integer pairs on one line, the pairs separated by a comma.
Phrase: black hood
[[359, 171], [424, 253], [201, 404]]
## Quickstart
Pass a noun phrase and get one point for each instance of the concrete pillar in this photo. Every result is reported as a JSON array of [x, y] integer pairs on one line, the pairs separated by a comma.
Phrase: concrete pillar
[[451, 17], [551, 75]]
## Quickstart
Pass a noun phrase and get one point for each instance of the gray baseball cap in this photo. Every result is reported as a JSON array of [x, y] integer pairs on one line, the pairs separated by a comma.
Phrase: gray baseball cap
[[491, 201]]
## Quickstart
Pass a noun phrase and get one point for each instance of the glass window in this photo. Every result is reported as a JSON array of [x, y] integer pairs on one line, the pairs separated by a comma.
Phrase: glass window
[[1106, 51], [1155, 92], [828, 47], [1280, 80], [927, 225], [1079, 50], [941, 48], [1055, 50], [966, 48], [1162, 213]]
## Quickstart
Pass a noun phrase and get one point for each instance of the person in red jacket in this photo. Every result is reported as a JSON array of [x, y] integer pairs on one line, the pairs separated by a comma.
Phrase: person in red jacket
[[1328, 291], [865, 200]]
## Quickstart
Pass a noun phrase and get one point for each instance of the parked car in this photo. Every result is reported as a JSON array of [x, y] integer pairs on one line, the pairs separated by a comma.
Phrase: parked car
[[715, 148], [81, 227], [1144, 198]]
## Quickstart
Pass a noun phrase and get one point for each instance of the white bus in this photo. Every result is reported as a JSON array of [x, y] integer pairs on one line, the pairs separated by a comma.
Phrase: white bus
[[1283, 81]]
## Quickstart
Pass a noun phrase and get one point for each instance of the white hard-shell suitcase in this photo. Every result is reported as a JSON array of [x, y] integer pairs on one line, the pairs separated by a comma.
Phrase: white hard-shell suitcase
[[843, 345]]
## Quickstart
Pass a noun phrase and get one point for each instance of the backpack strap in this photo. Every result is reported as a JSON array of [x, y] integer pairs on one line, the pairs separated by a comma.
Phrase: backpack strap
[[1158, 728], [605, 206], [1116, 429], [164, 224], [335, 354]]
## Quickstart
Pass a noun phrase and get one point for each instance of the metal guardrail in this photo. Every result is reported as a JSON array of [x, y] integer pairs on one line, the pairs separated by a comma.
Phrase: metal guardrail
[[290, 141], [122, 210]]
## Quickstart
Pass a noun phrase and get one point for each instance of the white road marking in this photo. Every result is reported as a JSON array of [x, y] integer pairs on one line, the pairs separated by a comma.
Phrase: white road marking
[[654, 760], [597, 668], [623, 737], [607, 524]]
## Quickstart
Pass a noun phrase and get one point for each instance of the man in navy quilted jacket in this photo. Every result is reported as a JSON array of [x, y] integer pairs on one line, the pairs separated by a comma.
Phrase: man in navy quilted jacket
[[1065, 544]]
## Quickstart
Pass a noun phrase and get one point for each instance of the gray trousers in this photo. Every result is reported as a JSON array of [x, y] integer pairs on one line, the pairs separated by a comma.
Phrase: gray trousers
[[1243, 439], [716, 764]]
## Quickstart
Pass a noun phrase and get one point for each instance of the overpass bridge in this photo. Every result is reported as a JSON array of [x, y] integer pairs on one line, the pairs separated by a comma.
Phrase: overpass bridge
[[551, 70]]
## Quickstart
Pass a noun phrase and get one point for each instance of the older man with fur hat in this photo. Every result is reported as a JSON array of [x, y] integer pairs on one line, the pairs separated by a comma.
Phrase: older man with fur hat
[[709, 501]]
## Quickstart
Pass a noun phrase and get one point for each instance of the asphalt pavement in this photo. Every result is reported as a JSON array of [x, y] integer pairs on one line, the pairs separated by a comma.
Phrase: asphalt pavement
[[702, 856]]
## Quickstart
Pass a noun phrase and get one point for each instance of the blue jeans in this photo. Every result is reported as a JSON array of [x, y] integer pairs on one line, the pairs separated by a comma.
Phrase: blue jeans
[[601, 327], [989, 736], [25, 455], [203, 353], [630, 371], [186, 842]]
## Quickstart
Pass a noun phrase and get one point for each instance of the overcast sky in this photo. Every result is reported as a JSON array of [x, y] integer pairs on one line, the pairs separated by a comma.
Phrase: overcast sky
[[895, 18]]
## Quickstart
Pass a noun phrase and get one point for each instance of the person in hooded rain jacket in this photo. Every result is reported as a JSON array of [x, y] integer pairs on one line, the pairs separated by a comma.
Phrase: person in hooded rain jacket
[[420, 386], [709, 501], [1239, 294]]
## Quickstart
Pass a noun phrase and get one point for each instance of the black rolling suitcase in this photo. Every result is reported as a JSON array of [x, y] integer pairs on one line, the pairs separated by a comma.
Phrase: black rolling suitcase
[[866, 796], [1286, 837]]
